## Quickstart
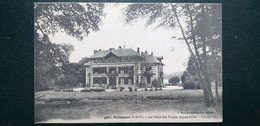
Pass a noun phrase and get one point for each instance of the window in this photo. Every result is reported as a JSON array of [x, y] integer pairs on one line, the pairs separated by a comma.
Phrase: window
[[148, 68], [131, 69], [112, 70], [130, 81], [121, 81], [125, 80], [99, 70], [99, 80]]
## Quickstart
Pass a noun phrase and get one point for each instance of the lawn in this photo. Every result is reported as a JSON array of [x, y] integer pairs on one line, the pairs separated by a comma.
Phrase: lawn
[[88, 105]]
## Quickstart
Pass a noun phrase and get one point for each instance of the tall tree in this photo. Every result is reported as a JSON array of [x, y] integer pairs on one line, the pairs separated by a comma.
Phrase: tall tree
[[74, 19], [49, 59], [73, 75], [196, 26]]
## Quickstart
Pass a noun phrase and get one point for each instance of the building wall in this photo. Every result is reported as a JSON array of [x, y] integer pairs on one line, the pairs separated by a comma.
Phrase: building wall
[[138, 72], [89, 71]]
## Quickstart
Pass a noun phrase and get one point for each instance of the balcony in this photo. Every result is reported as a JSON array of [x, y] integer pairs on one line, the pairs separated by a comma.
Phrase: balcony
[[112, 73], [148, 73]]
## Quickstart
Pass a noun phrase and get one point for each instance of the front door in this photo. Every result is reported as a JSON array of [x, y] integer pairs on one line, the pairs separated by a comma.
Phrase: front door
[[148, 80], [112, 82]]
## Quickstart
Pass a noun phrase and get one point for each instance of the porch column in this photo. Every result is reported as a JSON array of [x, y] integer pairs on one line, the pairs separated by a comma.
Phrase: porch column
[[86, 76], [117, 76]]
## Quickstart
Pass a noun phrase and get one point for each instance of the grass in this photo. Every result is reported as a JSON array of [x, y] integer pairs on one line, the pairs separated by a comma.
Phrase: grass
[[85, 105]]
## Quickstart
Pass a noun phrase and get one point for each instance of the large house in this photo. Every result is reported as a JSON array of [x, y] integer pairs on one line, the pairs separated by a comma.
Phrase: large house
[[124, 67]]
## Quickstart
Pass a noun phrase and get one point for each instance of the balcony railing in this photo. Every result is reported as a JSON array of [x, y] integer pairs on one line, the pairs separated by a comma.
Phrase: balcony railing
[[112, 73]]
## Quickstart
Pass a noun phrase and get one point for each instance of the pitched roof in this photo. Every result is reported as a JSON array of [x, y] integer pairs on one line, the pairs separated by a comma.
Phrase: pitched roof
[[150, 59], [118, 52]]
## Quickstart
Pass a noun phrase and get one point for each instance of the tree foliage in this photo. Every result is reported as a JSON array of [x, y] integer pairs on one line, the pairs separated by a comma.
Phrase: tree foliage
[[73, 75], [200, 25], [83, 60], [74, 19], [174, 80], [49, 59], [154, 13]]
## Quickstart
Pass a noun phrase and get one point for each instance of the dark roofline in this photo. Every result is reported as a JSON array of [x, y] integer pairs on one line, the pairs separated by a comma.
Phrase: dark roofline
[[112, 50]]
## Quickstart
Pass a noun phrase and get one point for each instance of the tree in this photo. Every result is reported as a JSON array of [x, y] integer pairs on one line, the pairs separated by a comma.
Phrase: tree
[[73, 74], [49, 59], [198, 31], [83, 60], [76, 20], [174, 80]]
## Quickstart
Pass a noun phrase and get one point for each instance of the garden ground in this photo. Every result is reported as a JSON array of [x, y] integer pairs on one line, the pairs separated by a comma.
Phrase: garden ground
[[51, 106]]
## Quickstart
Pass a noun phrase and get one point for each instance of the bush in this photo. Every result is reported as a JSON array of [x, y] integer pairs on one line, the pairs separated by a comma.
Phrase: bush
[[145, 89], [174, 80], [130, 88], [122, 88], [156, 89], [42, 87], [151, 89], [160, 89], [135, 89], [190, 85], [67, 81], [155, 83], [56, 89], [184, 76]]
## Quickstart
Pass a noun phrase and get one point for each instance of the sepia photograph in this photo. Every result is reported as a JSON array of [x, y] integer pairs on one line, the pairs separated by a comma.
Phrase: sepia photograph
[[97, 62]]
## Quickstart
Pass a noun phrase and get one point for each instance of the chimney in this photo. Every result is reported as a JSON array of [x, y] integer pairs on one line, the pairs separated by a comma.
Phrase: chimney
[[95, 51], [138, 50], [145, 51], [152, 53]]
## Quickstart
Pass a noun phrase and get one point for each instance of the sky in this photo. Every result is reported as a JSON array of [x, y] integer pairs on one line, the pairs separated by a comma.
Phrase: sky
[[114, 33]]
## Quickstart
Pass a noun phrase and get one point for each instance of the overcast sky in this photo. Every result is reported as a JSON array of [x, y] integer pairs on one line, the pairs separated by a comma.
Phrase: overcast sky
[[114, 32]]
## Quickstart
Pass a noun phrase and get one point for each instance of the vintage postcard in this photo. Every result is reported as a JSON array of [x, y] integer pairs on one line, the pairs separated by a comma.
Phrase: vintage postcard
[[127, 62]]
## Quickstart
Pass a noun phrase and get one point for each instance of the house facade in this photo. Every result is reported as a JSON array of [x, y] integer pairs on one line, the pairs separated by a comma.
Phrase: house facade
[[124, 67]]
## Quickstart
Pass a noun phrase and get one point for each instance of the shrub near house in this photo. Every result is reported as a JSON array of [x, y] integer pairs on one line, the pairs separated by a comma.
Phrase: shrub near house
[[155, 83], [174, 80], [191, 85], [189, 81]]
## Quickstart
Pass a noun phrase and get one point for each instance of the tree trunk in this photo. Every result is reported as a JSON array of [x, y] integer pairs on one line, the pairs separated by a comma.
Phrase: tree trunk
[[209, 100], [183, 33], [208, 96], [207, 92], [216, 91]]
